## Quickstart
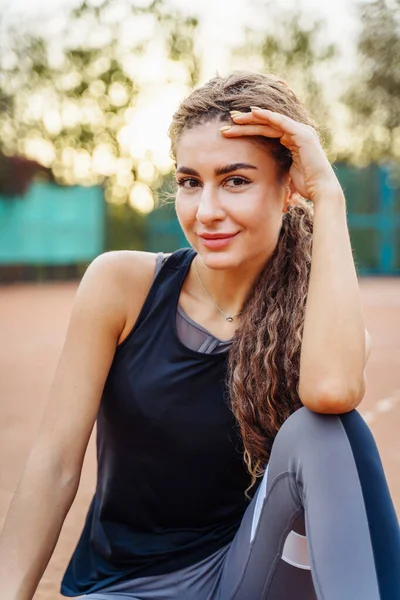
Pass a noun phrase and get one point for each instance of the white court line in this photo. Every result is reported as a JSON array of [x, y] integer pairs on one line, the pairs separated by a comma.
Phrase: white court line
[[382, 406]]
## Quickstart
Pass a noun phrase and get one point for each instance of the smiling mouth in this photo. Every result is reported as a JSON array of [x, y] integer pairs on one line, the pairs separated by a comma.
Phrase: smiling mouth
[[217, 241], [217, 236]]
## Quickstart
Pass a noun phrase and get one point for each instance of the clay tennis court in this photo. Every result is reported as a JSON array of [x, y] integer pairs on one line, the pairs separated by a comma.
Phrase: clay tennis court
[[33, 322]]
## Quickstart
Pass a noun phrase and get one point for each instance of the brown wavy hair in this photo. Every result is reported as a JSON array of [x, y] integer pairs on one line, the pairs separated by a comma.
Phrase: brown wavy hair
[[264, 360]]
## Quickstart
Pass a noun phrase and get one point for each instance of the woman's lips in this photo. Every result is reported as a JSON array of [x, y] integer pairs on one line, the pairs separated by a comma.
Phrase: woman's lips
[[217, 242]]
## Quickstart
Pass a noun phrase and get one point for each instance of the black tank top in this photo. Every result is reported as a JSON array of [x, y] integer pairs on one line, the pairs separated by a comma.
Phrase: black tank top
[[171, 476]]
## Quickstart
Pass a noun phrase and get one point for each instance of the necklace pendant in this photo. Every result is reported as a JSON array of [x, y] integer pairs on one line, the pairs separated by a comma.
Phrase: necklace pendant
[[230, 319]]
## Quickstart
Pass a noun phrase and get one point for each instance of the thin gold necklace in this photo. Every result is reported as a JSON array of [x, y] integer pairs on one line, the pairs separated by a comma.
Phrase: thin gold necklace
[[227, 317]]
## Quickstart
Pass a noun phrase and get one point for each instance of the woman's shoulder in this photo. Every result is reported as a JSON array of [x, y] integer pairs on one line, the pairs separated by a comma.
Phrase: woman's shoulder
[[129, 273], [134, 266]]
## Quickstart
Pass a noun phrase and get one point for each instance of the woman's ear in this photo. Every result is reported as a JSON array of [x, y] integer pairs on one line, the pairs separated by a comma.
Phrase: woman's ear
[[292, 197]]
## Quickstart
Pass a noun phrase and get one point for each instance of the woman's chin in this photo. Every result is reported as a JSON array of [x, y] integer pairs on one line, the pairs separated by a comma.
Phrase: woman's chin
[[221, 259]]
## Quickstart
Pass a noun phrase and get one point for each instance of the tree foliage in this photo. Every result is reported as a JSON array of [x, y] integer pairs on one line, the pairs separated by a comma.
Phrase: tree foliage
[[66, 102], [298, 54], [374, 97]]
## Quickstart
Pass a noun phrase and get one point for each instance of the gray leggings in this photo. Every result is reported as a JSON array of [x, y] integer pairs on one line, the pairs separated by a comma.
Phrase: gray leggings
[[324, 480]]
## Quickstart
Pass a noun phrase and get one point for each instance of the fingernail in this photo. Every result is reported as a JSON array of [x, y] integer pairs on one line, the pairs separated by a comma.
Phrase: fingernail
[[255, 108], [235, 112], [225, 128]]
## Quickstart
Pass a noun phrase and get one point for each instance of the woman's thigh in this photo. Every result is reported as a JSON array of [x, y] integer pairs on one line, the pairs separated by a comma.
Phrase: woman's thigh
[[325, 480], [109, 596], [195, 582], [256, 565]]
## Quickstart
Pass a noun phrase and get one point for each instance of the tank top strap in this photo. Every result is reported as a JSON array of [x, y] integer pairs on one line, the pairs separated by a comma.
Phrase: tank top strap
[[168, 281], [179, 259]]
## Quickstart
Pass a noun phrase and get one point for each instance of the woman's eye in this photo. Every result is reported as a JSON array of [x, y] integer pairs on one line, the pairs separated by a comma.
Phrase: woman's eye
[[237, 181], [182, 182], [190, 183]]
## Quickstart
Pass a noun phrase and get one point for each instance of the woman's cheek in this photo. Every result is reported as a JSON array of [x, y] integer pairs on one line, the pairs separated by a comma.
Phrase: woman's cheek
[[186, 213]]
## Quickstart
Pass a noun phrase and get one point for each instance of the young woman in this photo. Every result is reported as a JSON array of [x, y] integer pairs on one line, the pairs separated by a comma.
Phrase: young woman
[[232, 464]]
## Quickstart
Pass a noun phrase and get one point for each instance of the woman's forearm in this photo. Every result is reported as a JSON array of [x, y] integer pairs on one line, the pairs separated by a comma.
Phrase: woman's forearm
[[333, 347], [32, 527]]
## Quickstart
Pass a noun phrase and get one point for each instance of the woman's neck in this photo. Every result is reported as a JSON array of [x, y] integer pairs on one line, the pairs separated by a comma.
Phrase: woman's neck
[[227, 288]]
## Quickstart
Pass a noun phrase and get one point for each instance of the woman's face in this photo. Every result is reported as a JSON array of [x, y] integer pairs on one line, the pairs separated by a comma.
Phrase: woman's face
[[228, 187]]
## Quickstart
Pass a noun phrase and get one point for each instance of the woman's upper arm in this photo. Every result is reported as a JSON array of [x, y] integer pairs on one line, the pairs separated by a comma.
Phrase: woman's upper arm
[[97, 318], [367, 347], [363, 388]]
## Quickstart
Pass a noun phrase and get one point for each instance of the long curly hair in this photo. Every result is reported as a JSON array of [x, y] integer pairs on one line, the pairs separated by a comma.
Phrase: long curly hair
[[264, 360]]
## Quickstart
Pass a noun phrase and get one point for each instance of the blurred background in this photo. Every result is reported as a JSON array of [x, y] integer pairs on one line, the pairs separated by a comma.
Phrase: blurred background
[[87, 92]]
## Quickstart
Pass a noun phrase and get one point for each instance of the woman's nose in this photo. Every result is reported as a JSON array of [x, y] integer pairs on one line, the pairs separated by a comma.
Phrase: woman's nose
[[209, 208]]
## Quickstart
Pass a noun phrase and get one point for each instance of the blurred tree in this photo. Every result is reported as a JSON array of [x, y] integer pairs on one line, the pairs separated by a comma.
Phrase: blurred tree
[[68, 99], [17, 173], [126, 228], [374, 96], [296, 52]]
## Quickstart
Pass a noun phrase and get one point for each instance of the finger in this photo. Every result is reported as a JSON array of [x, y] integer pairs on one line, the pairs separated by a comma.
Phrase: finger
[[262, 116], [250, 117], [278, 120], [239, 130]]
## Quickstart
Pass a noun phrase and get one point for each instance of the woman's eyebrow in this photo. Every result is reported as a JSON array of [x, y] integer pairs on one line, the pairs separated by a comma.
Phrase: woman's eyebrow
[[219, 170]]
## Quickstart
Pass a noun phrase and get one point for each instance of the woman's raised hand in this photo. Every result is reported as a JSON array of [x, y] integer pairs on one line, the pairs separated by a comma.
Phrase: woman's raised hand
[[311, 173]]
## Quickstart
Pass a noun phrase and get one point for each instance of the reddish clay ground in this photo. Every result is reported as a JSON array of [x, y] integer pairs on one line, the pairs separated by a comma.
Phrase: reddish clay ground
[[33, 321]]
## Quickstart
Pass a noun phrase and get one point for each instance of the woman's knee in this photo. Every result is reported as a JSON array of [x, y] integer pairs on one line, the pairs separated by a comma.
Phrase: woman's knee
[[306, 431], [303, 421]]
